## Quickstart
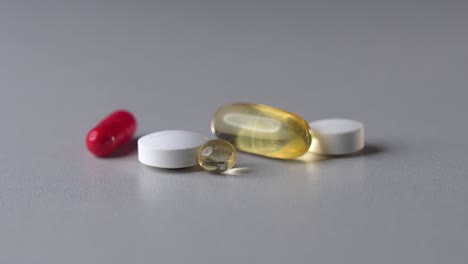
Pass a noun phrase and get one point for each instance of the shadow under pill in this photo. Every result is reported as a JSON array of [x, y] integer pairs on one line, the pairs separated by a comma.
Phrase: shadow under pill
[[126, 150], [369, 149], [190, 169]]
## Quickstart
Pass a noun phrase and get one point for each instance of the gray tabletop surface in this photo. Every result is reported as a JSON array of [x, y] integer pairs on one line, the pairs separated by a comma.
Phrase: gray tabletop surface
[[400, 67]]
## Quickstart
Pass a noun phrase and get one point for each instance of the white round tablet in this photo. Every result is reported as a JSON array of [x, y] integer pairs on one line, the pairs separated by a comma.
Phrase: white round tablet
[[170, 149], [336, 136]]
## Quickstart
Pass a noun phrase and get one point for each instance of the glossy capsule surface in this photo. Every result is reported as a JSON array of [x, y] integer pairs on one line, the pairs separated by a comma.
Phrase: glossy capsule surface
[[262, 130], [217, 155], [112, 132]]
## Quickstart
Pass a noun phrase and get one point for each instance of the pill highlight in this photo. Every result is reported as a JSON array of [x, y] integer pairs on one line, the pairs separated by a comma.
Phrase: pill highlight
[[112, 132], [262, 130]]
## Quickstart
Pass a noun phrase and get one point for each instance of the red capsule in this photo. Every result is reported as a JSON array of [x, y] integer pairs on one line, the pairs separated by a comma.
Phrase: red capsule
[[112, 132]]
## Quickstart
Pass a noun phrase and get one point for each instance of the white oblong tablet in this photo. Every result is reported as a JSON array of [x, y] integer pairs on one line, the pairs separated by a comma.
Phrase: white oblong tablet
[[336, 136], [170, 149]]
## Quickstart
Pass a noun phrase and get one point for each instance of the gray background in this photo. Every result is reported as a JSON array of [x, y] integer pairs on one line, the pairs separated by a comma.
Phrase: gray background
[[400, 67]]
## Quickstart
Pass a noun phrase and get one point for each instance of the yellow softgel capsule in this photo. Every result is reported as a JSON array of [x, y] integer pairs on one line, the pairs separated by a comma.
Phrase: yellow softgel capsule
[[217, 155], [262, 130]]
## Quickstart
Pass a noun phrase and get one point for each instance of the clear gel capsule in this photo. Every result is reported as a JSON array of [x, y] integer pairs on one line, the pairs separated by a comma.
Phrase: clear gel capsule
[[217, 155], [262, 130]]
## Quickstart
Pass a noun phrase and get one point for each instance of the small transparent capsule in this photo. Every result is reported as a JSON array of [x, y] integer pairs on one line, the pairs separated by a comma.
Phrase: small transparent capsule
[[217, 155]]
